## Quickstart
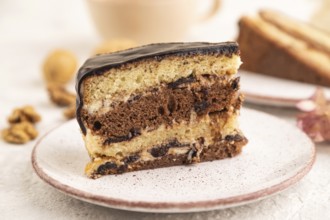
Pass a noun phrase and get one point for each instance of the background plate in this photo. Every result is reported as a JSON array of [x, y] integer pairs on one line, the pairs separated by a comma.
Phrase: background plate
[[267, 90], [277, 156]]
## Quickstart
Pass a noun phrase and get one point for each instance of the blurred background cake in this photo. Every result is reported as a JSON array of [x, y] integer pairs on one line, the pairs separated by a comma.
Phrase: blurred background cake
[[321, 17], [278, 45]]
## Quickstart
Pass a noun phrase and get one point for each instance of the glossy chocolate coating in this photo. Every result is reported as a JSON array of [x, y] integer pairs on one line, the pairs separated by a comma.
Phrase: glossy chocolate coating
[[101, 63]]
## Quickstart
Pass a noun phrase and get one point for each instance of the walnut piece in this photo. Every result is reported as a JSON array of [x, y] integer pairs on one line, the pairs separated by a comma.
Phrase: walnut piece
[[59, 66], [70, 112], [20, 133], [60, 96], [24, 114], [21, 128]]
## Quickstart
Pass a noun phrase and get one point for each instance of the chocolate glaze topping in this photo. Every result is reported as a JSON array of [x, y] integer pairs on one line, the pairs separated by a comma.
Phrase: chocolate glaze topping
[[101, 63]]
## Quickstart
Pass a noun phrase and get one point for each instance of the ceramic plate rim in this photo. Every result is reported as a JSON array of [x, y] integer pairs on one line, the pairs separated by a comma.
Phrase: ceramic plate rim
[[166, 207], [270, 100], [277, 101]]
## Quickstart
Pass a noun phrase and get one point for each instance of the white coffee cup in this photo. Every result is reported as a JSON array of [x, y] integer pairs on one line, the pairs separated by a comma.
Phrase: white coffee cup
[[149, 21]]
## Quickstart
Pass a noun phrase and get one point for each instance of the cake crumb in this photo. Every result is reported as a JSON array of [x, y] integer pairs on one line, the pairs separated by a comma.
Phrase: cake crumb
[[60, 96], [20, 133], [24, 114]]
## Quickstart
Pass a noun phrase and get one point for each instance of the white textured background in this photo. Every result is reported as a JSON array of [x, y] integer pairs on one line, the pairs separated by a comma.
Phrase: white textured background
[[29, 29]]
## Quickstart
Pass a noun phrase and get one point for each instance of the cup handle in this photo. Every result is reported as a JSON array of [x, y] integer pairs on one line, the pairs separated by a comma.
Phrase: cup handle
[[212, 12]]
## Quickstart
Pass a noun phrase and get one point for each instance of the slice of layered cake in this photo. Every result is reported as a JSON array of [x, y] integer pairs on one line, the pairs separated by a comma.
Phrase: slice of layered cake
[[160, 105], [277, 45]]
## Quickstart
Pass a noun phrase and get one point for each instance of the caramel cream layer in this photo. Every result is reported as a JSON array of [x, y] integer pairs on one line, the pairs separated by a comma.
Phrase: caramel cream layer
[[117, 85]]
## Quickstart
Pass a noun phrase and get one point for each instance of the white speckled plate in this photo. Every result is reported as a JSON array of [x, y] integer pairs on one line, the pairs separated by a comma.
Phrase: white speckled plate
[[277, 156], [267, 90]]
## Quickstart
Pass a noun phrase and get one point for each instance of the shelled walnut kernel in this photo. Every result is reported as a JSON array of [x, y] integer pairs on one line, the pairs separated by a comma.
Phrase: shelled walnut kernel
[[60, 96], [20, 133], [26, 113], [70, 112], [21, 129]]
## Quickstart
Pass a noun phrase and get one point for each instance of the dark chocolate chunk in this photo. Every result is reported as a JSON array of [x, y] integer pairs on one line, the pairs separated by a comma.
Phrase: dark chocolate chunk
[[184, 80], [235, 138], [218, 112], [132, 133], [103, 169], [97, 125], [171, 105], [161, 110], [161, 150], [201, 140], [206, 75], [134, 98], [115, 140], [131, 158], [205, 92], [122, 168], [154, 90], [201, 106], [235, 84]]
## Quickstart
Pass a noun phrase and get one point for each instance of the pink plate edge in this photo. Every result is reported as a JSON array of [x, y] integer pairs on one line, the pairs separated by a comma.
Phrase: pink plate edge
[[270, 100]]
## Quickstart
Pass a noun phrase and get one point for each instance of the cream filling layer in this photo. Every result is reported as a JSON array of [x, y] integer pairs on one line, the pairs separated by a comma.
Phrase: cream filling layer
[[117, 85], [207, 127]]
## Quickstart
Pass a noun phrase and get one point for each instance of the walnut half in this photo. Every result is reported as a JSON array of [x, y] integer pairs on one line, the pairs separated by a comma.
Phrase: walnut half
[[60, 96], [21, 129], [24, 114], [70, 112], [20, 133]]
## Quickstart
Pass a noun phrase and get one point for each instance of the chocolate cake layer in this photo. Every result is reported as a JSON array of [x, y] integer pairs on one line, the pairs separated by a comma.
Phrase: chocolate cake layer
[[156, 52], [228, 147], [170, 103]]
